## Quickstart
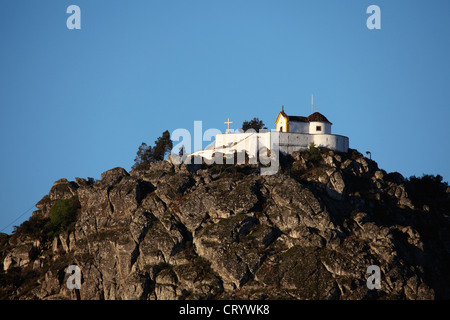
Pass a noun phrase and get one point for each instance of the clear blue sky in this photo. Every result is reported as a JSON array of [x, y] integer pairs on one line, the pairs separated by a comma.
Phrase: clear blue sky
[[75, 103]]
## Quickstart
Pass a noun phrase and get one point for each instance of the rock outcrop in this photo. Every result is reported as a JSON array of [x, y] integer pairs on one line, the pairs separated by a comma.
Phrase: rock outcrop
[[226, 232]]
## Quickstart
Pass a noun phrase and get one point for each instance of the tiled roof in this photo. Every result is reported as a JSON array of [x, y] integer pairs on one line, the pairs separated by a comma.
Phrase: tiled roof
[[298, 118], [317, 116]]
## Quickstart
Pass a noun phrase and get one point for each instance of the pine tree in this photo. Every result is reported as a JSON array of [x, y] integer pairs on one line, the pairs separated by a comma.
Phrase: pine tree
[[147, 154], [163, 145]]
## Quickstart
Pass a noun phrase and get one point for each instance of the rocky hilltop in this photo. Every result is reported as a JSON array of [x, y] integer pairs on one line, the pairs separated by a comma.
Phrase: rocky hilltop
[[227, 232]]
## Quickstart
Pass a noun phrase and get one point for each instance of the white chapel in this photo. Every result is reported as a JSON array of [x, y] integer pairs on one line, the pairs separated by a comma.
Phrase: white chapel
[[297, 132], [316, 123], [292, 133]]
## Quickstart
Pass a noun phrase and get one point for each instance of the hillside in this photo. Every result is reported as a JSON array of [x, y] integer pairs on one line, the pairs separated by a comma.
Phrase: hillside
[[226, 232]]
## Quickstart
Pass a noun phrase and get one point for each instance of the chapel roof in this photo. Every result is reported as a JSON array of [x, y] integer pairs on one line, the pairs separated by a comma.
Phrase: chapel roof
[[314, 117], [317, 116], [298, 118]]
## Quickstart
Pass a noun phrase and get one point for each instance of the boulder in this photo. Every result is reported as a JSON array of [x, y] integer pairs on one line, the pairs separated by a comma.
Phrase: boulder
[[113, 176], [336, 186], [63, 189]]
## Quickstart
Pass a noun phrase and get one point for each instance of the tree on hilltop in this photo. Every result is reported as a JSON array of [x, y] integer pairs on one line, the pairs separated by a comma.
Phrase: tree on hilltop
[[147, 154], [255, 124]]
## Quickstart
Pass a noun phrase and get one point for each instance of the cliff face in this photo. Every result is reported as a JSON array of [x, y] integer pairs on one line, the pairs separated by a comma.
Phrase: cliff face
[[226, 232]]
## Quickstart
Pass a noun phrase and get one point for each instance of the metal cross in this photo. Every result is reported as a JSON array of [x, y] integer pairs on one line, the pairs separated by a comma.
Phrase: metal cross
[[228, 122]]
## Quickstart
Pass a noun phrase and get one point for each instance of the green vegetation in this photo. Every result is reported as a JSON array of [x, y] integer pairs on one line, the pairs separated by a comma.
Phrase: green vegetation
[[32, 227], [255, 124], [427, 190], [62, 216], [314, 154], [235, 170], [15, 278], [147, 154]]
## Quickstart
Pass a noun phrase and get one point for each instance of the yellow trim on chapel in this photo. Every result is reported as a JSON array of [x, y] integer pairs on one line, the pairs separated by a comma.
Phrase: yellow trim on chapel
[[278, 118], [282, 114]]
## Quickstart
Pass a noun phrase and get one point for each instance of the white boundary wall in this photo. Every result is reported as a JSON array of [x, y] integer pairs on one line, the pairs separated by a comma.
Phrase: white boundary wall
[[288, 142]]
